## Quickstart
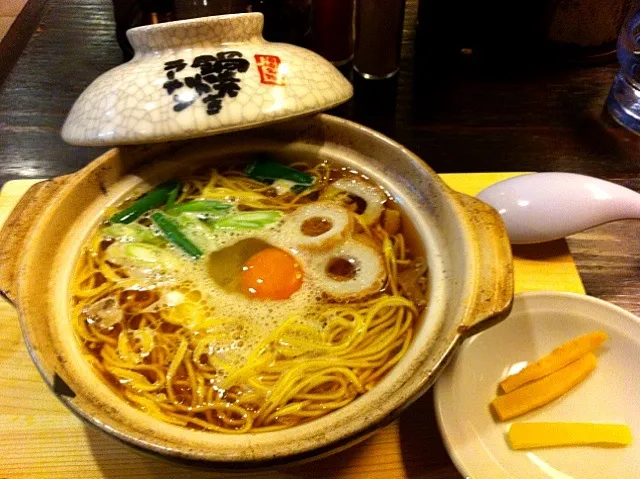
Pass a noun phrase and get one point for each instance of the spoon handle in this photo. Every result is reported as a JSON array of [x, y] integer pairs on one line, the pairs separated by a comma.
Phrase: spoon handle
[[546, 206]]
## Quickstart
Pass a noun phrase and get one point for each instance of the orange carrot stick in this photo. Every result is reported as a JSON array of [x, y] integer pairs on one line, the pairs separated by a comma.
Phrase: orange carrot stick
[[543, 391], [557, 359]]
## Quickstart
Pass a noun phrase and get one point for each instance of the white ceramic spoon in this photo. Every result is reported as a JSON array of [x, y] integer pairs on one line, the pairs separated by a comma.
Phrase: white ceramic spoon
[[547, 206]]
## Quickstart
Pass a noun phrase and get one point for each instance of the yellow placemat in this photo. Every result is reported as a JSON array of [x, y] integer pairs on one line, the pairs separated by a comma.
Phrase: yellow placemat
[[39, 438]]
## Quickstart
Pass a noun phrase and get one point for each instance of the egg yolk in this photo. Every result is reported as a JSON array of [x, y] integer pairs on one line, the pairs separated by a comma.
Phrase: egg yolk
[[271, 274]]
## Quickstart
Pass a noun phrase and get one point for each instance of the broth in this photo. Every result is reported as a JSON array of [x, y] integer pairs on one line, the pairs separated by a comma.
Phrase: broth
[[209, 303]]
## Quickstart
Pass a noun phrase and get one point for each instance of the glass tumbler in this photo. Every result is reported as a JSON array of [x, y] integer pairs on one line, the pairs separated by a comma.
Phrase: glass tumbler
[[623, 101], [378, 38]]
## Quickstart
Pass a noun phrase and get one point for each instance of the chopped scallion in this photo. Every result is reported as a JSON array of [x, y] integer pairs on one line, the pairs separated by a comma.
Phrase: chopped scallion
[[175, 235], [269, 170], [157, 197], [251, 220]]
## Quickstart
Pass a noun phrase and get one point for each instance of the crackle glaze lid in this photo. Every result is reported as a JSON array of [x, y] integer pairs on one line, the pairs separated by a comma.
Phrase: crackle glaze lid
[[201, 77]]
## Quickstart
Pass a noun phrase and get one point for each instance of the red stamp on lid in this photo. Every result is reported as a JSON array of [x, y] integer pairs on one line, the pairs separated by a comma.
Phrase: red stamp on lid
[[270, 71]]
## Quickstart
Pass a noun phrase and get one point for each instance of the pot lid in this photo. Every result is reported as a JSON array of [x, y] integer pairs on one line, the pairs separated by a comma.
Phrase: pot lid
[[201, 77]]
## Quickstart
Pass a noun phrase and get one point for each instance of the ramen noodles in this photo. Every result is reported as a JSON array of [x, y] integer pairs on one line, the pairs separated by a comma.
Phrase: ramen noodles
[[251, 298]]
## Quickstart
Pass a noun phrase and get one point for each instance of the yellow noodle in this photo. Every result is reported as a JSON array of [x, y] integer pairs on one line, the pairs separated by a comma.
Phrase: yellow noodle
[[152, 408], [173, 367], [163, 362], [289, 409], [133, 379], [109, 272], [193, 384]]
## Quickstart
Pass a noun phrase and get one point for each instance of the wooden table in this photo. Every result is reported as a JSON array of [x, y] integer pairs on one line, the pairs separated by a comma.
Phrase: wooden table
[[457, 117]]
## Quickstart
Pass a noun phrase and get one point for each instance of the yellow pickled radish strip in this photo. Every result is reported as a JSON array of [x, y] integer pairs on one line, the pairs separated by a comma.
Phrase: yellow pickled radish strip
[[543, 391], [528, 435], [558, 358]]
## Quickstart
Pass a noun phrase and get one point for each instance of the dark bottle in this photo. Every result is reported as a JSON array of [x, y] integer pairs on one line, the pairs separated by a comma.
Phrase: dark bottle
[[332, 30]]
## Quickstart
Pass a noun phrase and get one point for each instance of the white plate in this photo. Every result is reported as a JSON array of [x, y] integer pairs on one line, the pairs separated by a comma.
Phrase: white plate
[[538, 323]]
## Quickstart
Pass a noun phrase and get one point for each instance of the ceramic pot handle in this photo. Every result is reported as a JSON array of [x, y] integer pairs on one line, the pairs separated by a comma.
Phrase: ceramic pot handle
[[494, 291], [15, 232]]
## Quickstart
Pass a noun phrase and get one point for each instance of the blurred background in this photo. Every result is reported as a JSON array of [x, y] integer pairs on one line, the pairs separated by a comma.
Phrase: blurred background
[[467, 85], [500, 31]]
